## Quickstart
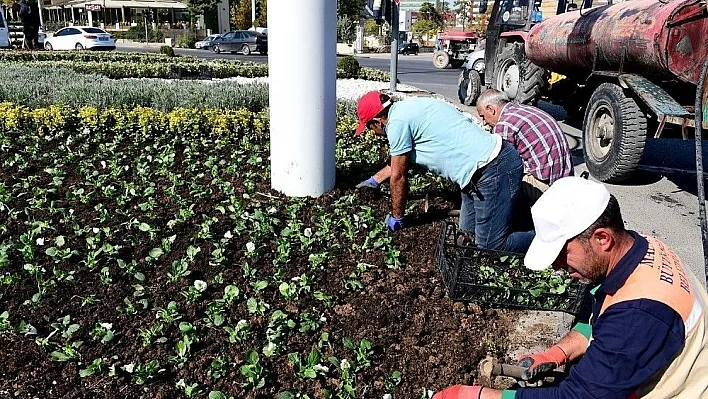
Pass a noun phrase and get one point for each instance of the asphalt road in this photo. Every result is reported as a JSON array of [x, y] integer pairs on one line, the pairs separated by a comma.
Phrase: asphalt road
[[663, 205]]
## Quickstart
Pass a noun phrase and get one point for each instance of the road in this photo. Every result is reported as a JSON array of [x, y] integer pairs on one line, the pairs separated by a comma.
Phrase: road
[[662, 205]]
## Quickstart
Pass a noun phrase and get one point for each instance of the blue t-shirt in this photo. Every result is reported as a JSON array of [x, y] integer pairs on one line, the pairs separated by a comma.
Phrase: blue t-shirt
[[440, 138]]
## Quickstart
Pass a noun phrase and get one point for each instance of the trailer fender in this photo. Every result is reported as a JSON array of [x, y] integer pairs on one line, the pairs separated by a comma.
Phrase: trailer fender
[[519, 36], [653, 96]]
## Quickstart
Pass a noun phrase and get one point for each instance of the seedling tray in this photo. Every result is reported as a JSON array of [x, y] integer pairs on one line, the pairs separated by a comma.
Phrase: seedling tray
[[499, 279]]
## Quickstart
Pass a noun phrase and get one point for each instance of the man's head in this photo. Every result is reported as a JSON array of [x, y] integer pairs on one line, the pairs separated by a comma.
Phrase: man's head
[[490, 105], [579, 229], [372, 112]]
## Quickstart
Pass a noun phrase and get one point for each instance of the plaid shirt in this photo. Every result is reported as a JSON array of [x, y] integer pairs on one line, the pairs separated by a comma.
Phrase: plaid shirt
[[539, 140]]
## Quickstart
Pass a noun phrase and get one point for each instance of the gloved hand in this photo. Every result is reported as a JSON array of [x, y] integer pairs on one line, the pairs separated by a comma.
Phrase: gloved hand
[[460, 392], [539, 364], [370, 183], [394, 223]]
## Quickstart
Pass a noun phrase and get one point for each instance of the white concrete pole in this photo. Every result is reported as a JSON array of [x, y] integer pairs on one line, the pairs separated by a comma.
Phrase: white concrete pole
[[302, 96], [253, 14]]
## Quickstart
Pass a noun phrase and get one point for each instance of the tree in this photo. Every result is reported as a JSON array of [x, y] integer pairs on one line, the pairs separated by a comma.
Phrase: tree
[[462, 8], [200, 7], [241, 14], [350, 8], [424, 27], [372, 28], [428, 12], [346, 29]]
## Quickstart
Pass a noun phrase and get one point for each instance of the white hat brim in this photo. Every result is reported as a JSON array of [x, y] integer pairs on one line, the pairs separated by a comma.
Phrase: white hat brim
[[542, 254]]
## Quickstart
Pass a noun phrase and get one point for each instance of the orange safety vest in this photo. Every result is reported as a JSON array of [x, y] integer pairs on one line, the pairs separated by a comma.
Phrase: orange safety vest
[[662, 277]]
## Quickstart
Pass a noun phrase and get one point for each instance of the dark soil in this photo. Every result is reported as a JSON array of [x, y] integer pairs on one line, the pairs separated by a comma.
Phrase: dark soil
[[405, 313]]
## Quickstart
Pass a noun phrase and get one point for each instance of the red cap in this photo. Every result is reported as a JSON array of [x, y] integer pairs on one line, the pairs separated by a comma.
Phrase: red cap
[[369, 106]]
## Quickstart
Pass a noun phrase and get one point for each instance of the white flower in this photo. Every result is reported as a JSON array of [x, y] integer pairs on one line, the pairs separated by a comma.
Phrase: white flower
[[308, 232], [272, 209], [200, 285], [321, 368], [129, 368], [103, 164], [107, 326], [95, 230], [388, 396], [228, 234], [40, 241], [250, 246]]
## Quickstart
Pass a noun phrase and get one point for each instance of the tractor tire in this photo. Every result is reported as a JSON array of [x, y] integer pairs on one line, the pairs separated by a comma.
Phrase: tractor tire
[[469, 87], [517, 76], [441, 59], [614, 134]]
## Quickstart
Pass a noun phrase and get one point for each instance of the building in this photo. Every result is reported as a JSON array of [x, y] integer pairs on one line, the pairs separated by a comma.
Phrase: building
[[414, 5]]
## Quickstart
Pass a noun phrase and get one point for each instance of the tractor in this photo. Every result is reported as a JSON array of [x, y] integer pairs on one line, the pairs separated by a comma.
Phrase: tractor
[[452, 48], [630, 70]]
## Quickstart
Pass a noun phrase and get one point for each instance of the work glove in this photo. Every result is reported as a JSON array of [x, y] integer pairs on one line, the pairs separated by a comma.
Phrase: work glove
[[394, 223], [370, 183], [460, 392], [540, 364]]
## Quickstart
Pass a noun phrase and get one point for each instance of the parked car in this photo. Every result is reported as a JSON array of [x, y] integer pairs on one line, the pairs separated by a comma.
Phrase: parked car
[[4, 32], [409, 48], [206, 43], [243, 41], [80, 38]]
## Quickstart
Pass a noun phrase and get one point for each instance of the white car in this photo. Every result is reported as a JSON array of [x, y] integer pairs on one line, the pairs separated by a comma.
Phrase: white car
[[80, 38], [206, 43], [4, 33]]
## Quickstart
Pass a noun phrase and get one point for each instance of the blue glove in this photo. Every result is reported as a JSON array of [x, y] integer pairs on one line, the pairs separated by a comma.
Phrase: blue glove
[[371, 183], [394, 223]]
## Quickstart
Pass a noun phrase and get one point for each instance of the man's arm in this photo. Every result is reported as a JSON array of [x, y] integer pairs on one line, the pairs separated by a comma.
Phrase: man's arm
[[383, 175], [632, 341], [399, 184]]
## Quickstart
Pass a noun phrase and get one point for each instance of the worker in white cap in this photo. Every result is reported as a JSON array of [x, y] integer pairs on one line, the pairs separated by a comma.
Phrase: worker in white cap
[[647, 336]]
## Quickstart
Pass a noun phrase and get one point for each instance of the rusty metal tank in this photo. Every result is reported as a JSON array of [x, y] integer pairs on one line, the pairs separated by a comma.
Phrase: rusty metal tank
[[658, 40]]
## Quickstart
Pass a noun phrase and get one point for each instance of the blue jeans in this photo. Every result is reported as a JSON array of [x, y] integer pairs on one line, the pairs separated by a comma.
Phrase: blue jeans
[[488, 204]]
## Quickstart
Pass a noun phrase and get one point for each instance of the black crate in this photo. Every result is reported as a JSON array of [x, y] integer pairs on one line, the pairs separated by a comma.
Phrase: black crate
[[499, 279]]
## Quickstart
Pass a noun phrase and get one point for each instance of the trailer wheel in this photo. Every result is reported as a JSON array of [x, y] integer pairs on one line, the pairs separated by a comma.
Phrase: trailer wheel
[[614, 134], [441, 59], [469, 86], [517, 76]]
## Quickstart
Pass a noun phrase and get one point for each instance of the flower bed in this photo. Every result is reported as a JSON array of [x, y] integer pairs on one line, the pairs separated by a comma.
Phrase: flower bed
[[142, 254]]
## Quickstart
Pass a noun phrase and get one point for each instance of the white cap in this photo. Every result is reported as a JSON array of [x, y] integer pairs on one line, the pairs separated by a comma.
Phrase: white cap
[[566, 209]]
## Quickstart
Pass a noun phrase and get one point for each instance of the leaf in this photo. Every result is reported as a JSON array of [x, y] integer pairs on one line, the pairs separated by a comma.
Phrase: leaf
[[216, 395], [252, 357], [156, 253], [144, 227], [51, 252], [59, 241], [314, 357], [286, 395], [59, 356], [139, 276], [309, 373], [218, 320], [348, 343]]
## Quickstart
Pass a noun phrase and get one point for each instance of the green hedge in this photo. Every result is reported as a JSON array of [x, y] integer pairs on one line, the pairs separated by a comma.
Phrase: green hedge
[[131, 65]]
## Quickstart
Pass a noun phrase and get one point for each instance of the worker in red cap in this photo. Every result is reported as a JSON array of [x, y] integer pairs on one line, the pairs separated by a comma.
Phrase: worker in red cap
[[435, 135], [647, 336]]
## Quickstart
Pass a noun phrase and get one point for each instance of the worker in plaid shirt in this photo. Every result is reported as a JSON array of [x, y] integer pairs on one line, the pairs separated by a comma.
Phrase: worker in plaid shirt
[[537, 137]]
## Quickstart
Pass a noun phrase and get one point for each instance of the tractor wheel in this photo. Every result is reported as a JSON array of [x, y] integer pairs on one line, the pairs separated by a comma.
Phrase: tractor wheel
[[515, 75], [441, 59], [469, 86], [614, 134]]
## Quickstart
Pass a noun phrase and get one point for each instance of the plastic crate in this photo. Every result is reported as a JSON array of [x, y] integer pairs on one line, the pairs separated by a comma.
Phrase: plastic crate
[[499, 279]]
